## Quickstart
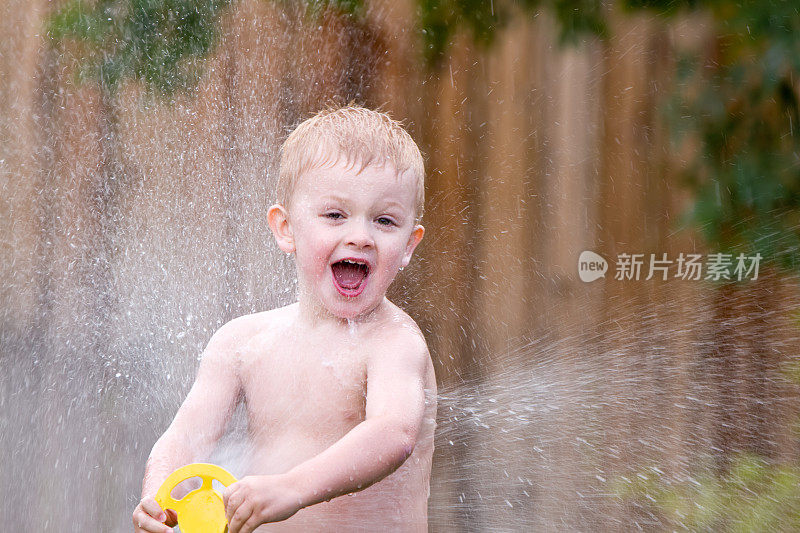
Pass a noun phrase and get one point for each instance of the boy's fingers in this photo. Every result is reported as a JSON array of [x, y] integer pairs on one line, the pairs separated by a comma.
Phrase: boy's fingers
[[231, 506], [144, 522], [241, 516], [152, 508], [251, 525], [228, 492]]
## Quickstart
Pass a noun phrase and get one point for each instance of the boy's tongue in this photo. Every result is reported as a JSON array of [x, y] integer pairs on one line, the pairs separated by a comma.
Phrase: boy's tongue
[[349, 275]]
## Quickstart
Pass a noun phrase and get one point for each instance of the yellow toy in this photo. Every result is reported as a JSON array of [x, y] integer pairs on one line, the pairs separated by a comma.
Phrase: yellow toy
[[202, 510]]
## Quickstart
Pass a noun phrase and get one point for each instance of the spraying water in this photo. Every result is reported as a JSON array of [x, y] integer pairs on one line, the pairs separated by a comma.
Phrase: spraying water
[[133, 229]]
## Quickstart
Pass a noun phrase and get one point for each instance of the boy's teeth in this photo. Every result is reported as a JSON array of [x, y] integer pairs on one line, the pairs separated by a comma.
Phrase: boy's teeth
[[349, 274]]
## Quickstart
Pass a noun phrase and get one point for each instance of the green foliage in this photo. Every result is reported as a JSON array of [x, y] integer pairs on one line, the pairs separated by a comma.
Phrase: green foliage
[[663, 7], [741, 107], [753, 496], [315, 8], [158, 42], [579, 18], [161, 43], [441, 20]]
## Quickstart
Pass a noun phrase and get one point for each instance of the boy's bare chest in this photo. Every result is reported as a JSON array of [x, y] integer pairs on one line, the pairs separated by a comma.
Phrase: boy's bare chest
[[305, 388]]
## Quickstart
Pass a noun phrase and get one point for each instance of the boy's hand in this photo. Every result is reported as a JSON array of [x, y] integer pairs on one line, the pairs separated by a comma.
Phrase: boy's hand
[[256, 500], [150, 517]]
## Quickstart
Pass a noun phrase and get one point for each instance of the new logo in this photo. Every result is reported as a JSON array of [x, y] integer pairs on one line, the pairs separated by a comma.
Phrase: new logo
[[591, 266]]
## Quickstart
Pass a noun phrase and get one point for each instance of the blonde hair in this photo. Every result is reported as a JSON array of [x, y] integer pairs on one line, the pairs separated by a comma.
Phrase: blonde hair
[[362, 136]]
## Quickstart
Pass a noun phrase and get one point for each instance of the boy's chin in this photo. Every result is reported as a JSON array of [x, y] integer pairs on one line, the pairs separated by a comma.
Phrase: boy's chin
[[353, 309], [349, 312]]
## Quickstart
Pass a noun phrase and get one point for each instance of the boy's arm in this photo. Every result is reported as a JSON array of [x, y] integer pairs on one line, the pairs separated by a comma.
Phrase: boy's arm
[[381, 443], [201, 419], [366, 454]]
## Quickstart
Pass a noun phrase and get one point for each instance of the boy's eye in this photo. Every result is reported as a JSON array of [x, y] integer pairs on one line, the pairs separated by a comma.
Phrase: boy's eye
[[383, 221], [333, 215]]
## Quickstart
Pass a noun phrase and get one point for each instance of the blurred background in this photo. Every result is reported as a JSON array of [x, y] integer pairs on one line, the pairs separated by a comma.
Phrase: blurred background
[[138, 153]]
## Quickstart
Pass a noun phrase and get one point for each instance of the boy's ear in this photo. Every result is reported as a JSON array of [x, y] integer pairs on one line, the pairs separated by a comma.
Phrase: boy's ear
[[413, 241], [278, 220]]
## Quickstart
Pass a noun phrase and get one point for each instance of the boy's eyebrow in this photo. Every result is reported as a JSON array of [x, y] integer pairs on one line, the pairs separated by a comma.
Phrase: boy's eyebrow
[[394, 203], [334, 197]]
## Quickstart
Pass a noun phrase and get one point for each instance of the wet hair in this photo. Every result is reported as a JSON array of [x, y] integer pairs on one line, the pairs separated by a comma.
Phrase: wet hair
[[361, 136]]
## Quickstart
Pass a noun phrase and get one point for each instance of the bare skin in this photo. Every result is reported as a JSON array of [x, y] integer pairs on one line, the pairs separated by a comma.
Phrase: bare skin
[[339, 388], [311, 426]]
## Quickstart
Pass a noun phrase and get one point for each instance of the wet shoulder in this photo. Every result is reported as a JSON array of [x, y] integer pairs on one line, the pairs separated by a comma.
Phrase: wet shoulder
[[407, 337], [398, 335], [246, 333], [400, 327]]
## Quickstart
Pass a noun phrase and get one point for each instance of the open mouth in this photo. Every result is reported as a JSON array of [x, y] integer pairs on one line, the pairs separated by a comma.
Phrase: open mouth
[[349, 276]]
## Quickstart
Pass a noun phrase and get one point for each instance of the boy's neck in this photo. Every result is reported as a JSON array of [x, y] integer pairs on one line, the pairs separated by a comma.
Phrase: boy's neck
[[315, 314]]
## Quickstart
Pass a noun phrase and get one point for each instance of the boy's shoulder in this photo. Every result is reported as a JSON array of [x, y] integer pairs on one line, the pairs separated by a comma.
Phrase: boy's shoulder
[[237, 334], [401, 329]]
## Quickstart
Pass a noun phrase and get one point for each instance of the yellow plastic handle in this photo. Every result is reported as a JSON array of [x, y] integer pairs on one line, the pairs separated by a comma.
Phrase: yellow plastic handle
[[201, 510]]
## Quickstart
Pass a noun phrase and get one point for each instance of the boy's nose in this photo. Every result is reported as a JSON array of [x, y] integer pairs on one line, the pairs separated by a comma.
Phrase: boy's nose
[[359, 236]]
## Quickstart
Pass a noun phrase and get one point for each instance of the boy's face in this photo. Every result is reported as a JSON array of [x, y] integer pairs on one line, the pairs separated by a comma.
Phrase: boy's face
[[350, 231]]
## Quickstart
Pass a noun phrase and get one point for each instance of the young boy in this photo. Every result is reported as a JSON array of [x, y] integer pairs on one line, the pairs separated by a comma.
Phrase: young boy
[[339, 387]]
